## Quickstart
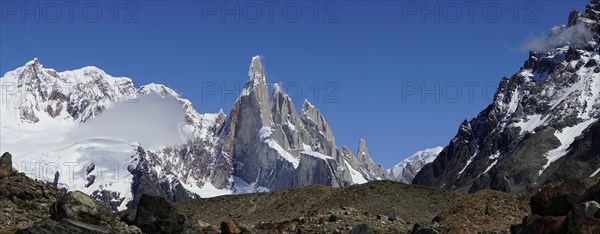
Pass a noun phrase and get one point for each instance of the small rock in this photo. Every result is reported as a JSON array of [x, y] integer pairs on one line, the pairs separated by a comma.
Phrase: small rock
[[292, 228], [582, 211], [229, 227], [459, 230], [591, 63], [362, 229], [210, 230], [491, 210], [422, 229], [333, 218], [587, 226], [382, 217], [437, 219]]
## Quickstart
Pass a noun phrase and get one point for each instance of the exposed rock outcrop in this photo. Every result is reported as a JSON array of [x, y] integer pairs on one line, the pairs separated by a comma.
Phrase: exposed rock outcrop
[[542, 125]]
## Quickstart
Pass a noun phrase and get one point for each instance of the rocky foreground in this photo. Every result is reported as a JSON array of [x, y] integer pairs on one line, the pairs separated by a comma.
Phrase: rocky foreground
[[30, 206]]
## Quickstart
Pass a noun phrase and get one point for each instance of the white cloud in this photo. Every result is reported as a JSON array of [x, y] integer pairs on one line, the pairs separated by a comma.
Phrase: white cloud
[[577, 34], [153, 121]]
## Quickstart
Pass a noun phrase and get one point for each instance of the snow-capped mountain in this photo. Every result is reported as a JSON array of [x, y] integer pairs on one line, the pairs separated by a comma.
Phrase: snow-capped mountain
[[543, 124], [114, 141], [266, 143], [406, 170]]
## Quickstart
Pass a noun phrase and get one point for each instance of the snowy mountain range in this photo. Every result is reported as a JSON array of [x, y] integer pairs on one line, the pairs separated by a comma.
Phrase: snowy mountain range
[[102, 135], [543, 123], [406, 170]]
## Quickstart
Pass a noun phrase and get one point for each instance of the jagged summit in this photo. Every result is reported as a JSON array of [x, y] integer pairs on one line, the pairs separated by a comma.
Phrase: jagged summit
[[406, 170], [540, 123], [278, 89], [269, 144], [256, 71], [261, 145], [34, 61]]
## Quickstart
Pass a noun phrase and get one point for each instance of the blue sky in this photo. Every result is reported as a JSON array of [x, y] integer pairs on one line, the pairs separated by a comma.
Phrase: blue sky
[[401, 74]]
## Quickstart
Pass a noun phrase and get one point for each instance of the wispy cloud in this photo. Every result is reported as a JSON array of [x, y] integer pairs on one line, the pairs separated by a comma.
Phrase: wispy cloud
[[577, 34], [153, 121]]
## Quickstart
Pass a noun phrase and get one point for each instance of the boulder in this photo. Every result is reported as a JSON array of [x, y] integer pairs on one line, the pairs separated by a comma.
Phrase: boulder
[[422, 229], [157, 215], [229, 227], [459, 230], [582, 211], [586, 226], [546, 225], [48, 226], [516, 228], [382, 217], [592, 194], [491, 210], [128, 216], [6, 165], [79, 206], [191, 226], [557, 199], [362, 229]]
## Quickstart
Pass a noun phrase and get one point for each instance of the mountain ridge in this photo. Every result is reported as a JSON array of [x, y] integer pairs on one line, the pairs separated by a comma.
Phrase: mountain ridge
[[525, 138], [79, 105]]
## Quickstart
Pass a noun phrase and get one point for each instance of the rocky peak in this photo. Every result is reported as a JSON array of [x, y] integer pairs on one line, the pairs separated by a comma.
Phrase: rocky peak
[[365, 161], [158, 89], [257, 91], [318, 128], [35, 62], [256, 71], [406, 170], [311, 115], [283, 109], [524, 138], [263, 144], [363, 151]]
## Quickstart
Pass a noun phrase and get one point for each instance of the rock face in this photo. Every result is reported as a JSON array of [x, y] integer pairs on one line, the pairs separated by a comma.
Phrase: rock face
[[23, 201], [542, 126], [156, 215], [80, 207], [269, 145], [264, 144], [32, 206]]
